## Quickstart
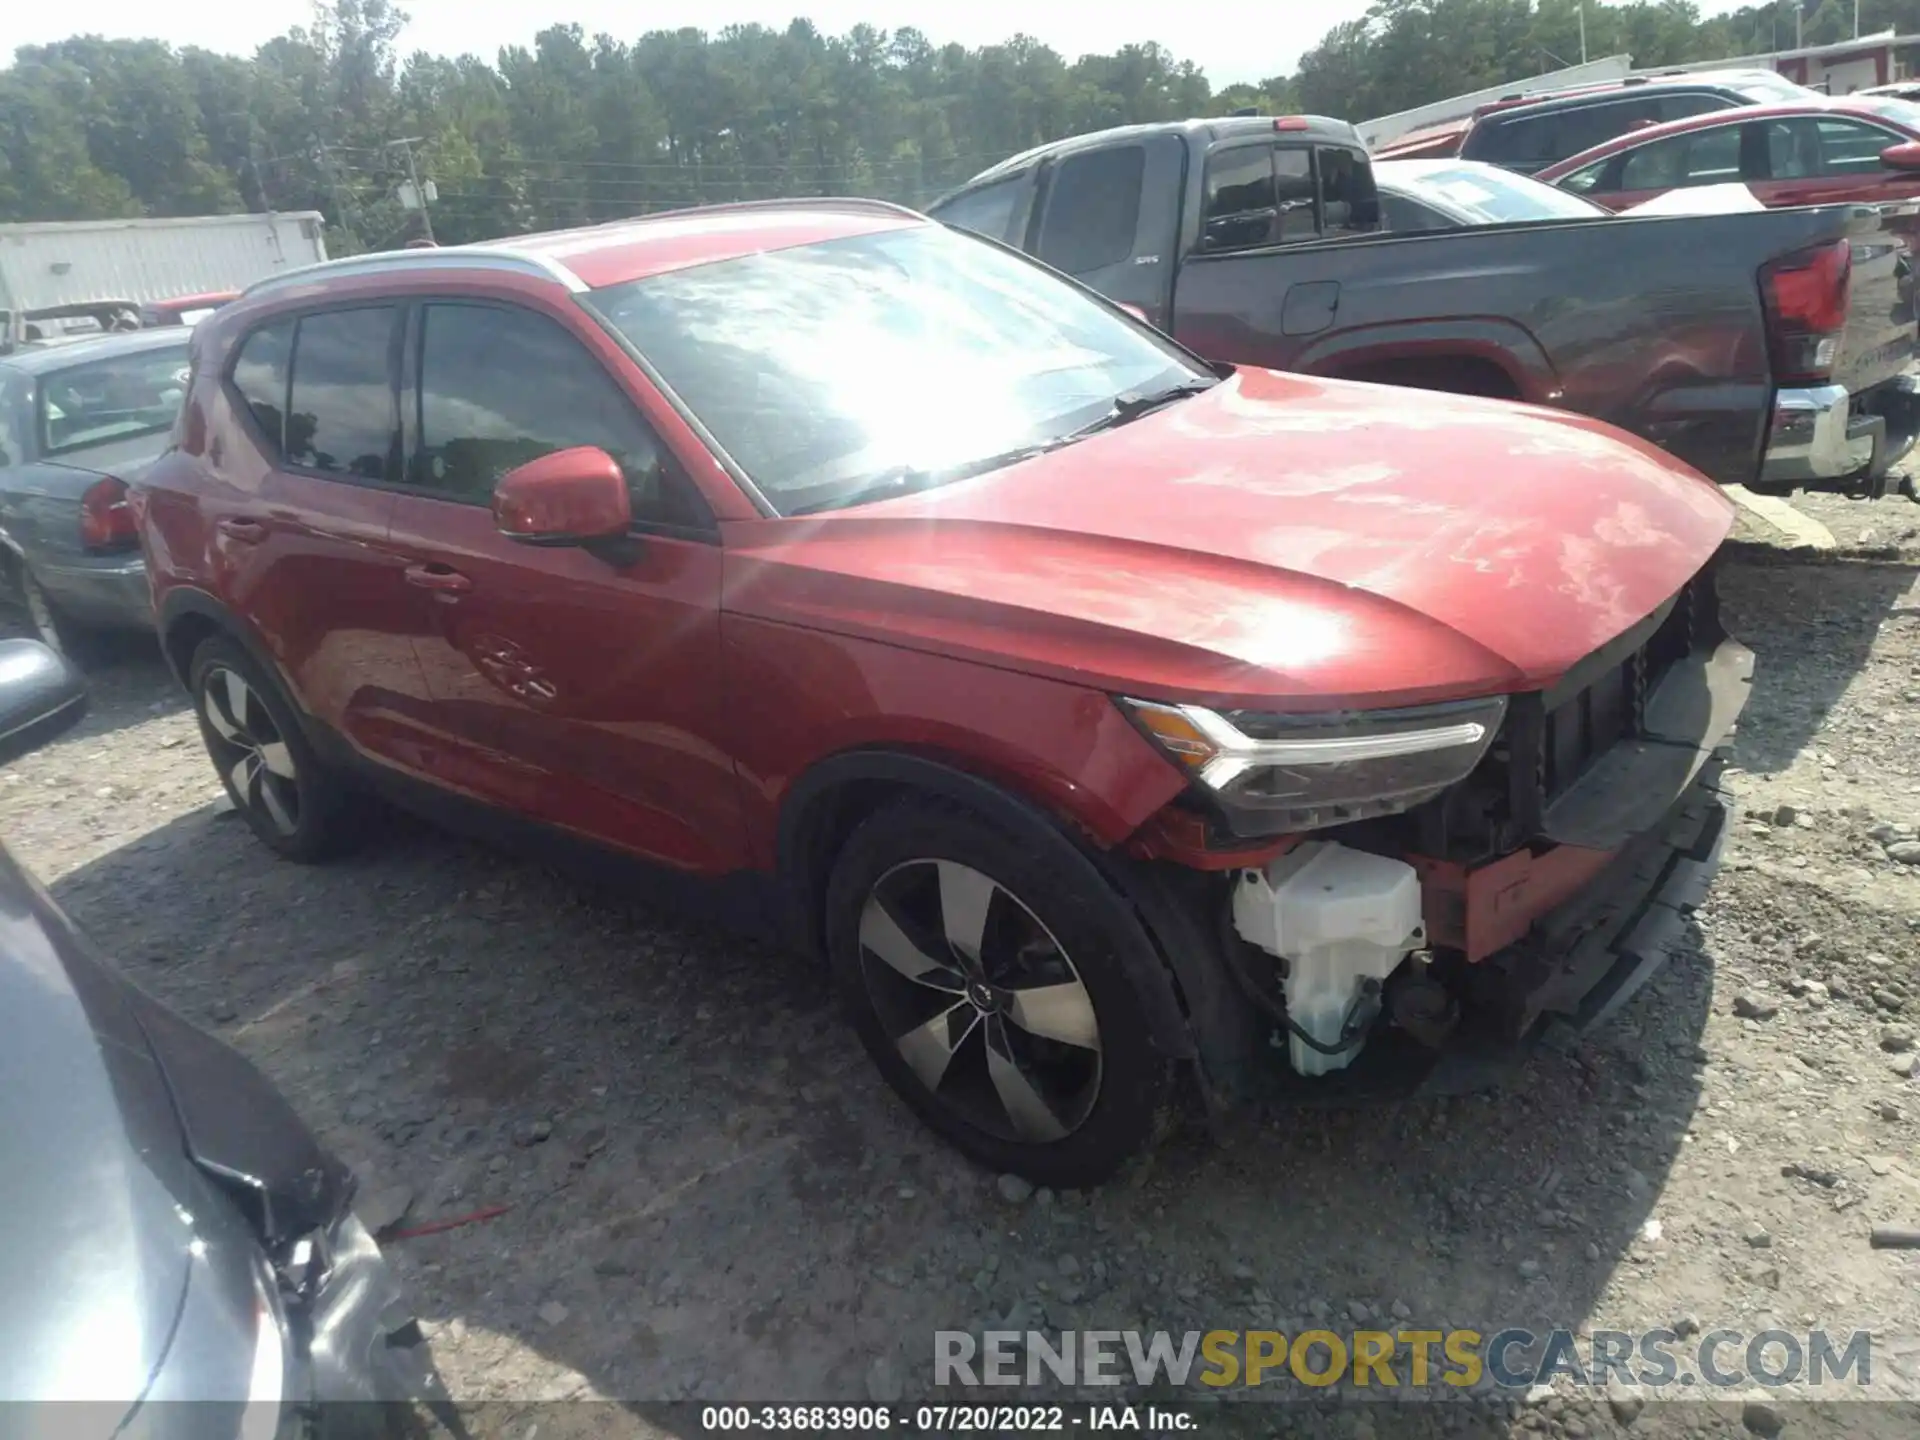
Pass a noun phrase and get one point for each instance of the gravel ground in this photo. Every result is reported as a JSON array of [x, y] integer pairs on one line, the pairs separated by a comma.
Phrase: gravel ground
[[713, 1196]]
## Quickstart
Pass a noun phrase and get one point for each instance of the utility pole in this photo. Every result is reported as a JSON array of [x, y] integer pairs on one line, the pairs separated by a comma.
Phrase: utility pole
[[420, 194], [1583, 32]]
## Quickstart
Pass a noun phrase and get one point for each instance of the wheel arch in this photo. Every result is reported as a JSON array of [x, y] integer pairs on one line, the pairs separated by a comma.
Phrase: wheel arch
[[825, 804], [189, 617], [1487, 349]]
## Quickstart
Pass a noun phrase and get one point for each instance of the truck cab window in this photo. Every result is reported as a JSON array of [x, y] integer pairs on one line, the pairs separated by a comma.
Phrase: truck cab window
[[1350, 203], [1093, 209], [1242, 201]]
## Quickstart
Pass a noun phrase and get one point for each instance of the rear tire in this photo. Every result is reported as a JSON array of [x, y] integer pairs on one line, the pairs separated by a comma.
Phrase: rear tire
[[986, 981], [53, 627], [295, 804]]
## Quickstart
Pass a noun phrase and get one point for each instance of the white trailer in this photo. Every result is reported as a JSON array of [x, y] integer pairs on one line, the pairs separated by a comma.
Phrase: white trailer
[[81, 262]]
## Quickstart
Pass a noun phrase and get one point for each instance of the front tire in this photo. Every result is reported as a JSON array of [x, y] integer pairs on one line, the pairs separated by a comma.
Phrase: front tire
[[985, 977], [297, 806]]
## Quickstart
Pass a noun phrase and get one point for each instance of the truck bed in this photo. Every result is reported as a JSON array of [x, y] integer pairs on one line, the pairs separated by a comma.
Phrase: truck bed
[[1654, 324]]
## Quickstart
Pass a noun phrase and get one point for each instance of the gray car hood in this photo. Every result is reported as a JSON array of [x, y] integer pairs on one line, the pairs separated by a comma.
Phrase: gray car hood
[[94, 1174]]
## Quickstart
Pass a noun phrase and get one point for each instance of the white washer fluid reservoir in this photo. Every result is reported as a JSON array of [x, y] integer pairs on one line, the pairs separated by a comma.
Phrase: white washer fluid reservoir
[[1339, 918]]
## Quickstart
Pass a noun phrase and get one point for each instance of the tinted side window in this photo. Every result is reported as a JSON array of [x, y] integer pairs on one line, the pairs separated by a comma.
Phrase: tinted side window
[[1682, 107], [1533, 142], [260, 378], [1512, 142], [1093, 210], [988, 211], [1240, 203], [1585, 126], [342, 413], [500, 387]]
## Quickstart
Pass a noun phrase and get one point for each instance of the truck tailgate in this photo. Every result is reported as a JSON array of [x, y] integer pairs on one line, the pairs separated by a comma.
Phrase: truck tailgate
[[1880, 339]]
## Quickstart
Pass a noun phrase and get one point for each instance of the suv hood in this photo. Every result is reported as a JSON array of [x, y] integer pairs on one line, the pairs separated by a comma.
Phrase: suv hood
[[1275, 539]]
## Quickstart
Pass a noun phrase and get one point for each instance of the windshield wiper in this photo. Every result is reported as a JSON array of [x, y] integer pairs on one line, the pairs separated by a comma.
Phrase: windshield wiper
[[1141, 402], [906, 479]]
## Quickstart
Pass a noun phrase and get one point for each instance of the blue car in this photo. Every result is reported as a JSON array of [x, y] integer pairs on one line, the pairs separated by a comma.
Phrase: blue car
[[77, 421]]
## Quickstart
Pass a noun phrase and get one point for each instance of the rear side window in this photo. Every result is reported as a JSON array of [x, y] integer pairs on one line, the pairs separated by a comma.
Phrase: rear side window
[[499, 387], [342, 415], [987, 211], [1685, 106], [1093, 210], [260, 379], [1513, 142], [1536, 141]]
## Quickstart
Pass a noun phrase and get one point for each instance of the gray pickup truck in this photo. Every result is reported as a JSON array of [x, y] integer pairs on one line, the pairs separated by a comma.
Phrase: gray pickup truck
[[1765, 349]]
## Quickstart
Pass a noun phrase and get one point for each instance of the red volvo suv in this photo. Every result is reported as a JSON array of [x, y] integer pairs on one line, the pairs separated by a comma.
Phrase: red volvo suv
[[1102, 717]]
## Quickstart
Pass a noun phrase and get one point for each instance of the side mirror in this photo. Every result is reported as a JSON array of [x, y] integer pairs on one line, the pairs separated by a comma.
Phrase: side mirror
[[571, 497], [1904, 156], [41, 695]]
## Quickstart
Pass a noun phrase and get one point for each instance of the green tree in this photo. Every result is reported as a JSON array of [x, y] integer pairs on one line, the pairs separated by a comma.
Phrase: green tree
[[574, 129]]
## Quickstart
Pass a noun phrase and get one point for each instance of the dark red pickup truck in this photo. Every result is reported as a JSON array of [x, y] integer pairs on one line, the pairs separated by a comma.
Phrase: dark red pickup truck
[[1764, 349]]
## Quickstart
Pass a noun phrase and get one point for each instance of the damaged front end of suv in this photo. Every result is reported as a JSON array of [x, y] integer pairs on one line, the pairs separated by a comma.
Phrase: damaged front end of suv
[[1456, 882]]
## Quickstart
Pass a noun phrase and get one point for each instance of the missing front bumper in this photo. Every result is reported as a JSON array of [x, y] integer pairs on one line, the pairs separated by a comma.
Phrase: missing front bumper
[[1573, 970]]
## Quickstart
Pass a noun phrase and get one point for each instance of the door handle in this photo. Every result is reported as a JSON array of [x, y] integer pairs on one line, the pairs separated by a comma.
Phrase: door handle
[[245, 532], [438, 578]]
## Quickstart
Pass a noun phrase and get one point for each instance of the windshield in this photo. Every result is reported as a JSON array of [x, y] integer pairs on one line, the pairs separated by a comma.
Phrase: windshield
[[1771, 89], [1498, 197], [116, 399], [825, 368], [1904, 113]]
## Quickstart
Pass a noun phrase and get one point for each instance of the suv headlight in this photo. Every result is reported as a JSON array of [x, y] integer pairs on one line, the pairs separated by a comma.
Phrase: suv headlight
[[1269, 774]]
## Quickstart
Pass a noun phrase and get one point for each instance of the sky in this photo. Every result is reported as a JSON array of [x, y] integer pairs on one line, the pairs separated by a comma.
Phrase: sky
[[1229, 39]]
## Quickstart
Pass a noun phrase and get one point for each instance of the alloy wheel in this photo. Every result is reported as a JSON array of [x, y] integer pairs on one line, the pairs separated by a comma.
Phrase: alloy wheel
[[982, 1002], [250, 751]]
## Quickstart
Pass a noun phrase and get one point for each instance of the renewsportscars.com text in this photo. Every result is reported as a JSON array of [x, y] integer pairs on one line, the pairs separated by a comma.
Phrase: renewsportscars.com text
[[1408, 1359]]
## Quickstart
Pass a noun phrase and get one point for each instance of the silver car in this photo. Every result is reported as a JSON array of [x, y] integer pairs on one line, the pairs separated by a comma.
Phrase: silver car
[[180, 1256], [77, 421]]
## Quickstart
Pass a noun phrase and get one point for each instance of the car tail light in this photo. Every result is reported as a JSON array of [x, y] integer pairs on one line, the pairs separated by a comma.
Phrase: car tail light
[[106, 519], [1293, 122], [1806, 296]]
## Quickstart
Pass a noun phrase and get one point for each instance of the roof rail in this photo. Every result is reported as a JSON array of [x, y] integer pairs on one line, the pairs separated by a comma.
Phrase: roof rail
[[856, 203], [448, 257]]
